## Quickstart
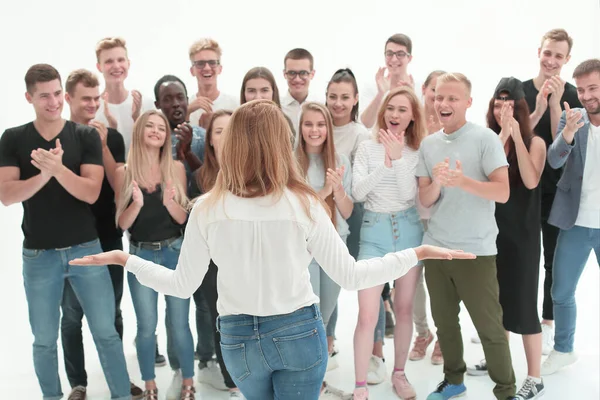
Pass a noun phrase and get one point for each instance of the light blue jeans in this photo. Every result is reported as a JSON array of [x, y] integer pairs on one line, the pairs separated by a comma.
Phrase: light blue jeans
[[383, 233], [276, 357], [573, 249], [146, 312], [44, 274]]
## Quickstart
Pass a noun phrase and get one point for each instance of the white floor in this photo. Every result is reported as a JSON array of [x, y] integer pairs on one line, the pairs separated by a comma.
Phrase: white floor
[[18, 380]]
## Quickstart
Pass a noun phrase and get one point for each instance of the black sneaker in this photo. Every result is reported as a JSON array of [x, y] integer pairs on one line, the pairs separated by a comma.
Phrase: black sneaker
[[159, 359], [389, 324], [478, 369], [530, 390], [136, 392]]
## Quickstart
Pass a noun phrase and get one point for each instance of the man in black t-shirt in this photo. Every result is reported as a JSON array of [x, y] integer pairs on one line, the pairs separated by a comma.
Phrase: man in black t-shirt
[[545, 95], [54, 168], [83, 96]]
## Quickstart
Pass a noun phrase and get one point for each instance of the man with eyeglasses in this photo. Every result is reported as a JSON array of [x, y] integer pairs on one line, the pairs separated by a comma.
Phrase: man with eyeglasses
[[205, 55], [298, 72], [398, 49]]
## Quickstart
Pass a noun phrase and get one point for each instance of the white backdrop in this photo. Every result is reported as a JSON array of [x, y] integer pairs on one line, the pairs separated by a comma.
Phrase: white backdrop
[[485, 39]]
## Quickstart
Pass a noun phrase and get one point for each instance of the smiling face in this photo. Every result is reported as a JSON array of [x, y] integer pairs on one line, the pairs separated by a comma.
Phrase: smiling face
[[47, 99], [258, 89], [155, 132], [314, 130], [114, 65], [206, 66], [398, 114], [84, 102], [340, 100], [298, 74], [452, 99], [397, 58], [553, 55], [216, 133], [588, 92], [173, 102]]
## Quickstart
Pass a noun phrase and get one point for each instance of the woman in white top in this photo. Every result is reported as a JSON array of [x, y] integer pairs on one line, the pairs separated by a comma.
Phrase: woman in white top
[[262, 224], [330, 175], [384, 177]]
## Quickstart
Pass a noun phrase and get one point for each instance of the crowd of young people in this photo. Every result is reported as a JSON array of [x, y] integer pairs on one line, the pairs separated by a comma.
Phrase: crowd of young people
[[286, 180]]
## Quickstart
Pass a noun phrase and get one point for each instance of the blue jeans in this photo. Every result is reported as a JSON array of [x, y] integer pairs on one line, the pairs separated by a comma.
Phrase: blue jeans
[[44, 273], [572, 252], [276, 357], [146, 311], [383, 233]]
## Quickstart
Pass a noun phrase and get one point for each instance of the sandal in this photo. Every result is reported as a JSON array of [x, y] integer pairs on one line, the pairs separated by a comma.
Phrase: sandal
[[188, 393], [150, 394]]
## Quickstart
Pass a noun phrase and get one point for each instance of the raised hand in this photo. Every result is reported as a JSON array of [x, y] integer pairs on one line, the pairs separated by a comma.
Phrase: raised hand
[[410, 82], [169, 194], [428, 252], [382, 81], [515, 129], [112, 121], [137, 195], [455, 176], [573, 124], [48, 162], [505, 114], [441, 171], [394, 145], [115, 257], [557, 89], [184, 135], [205, 119], [200, 102], [102, 131], [136, 107], [541, 100], [433, 124], [335, 178]]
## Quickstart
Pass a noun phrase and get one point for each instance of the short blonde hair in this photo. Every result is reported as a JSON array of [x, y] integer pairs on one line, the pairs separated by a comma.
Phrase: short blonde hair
[[205, 44], [558, 35], [109, 43], [455, 77]]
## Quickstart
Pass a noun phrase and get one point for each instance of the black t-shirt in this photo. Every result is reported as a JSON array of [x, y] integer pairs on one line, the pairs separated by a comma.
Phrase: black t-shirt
[[53, 218], [154, 222], [543, 129], [105, 209]]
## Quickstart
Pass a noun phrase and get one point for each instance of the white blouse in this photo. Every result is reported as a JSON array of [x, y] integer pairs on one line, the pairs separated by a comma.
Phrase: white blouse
[[262, 247]]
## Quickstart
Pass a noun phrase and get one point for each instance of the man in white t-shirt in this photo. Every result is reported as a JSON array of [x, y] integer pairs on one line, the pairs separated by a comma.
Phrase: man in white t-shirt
[[398, 54], [124, 106], [205, 55], [298, 72]]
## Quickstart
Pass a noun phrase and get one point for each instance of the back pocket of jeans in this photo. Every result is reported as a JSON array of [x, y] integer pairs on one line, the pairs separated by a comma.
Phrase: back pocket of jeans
[[234, 356], [301, 351]]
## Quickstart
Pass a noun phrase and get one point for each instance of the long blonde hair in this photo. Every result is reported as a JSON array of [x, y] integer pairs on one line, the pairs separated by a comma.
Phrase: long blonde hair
[[139, 164], [257, 158], [417, 128], [328, 153]]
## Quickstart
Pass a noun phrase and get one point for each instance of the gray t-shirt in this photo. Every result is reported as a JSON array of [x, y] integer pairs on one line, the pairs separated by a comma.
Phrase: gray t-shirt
[[316, 179], [461, 220]]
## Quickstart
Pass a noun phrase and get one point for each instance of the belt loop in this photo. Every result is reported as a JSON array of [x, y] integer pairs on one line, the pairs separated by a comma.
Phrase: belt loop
[[255, 318], [316, 311]]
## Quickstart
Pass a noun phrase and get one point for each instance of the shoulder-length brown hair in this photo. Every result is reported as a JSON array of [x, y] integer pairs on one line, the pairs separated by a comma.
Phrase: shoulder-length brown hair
[[328, 153], [256, 73], [416, 129], [521, 114], [207, 174], [257, 158]]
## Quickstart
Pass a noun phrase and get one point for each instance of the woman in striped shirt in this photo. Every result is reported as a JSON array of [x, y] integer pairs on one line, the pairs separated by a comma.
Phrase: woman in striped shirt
[[384, 177]]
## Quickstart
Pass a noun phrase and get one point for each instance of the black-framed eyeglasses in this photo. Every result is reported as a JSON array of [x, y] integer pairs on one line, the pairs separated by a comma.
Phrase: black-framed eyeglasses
[[202, 63], [293, 74], [399, 54]]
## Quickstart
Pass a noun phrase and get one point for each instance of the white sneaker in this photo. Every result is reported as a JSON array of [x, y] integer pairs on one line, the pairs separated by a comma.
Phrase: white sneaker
[[174, 391], [547, 339], [211, 375], [377, 371], [331, 393], [332, 363], [557, 360], [476, 339], [237, 395]]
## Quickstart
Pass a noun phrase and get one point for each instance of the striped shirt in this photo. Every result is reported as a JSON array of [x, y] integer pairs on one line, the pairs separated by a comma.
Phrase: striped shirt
[[383, 189]]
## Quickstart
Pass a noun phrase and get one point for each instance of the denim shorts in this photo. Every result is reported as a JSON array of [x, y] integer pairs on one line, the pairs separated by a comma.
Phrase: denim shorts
[[383, 233]]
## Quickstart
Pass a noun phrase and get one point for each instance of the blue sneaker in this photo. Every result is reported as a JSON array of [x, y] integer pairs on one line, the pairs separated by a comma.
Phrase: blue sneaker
[[446, 391]]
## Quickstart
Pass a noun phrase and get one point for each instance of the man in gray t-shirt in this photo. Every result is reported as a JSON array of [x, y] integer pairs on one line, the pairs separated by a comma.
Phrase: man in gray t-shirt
[[462, 172]]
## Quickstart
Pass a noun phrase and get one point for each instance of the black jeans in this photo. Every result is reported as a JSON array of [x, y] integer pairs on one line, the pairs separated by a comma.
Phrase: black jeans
[[549, 237], [72, 314], [209, 291]]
